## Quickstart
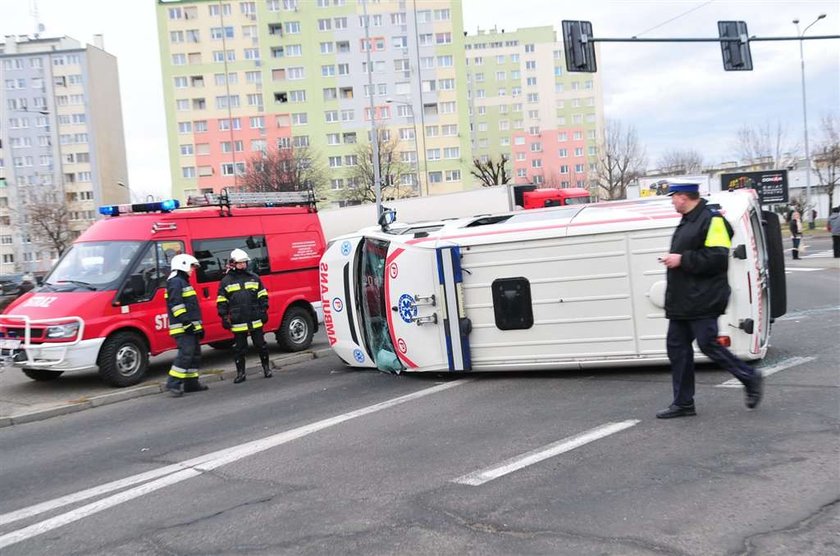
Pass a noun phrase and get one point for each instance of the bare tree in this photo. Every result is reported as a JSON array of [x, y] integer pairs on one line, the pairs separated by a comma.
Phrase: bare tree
[[766, 146], [392, 170], [621, 159], [48, 223], [826, 157], [492, 172], [681, 162], [284, 169]]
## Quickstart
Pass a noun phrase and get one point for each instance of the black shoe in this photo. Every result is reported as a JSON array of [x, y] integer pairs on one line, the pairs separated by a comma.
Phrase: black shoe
[[240, 377], [754, 391], [196, 388], [676, 411], [175, 392], [267, 373]]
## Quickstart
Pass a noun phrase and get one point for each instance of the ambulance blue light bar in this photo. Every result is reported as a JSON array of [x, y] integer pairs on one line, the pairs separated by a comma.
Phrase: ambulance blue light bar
[[158, 206]]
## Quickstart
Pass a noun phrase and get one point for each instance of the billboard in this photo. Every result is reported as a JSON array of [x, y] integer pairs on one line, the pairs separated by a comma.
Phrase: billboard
[[771, 185], [652, 187]]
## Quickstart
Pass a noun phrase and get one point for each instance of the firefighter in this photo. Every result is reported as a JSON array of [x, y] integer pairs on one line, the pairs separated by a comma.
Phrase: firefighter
[[185, 326], [243, 306]]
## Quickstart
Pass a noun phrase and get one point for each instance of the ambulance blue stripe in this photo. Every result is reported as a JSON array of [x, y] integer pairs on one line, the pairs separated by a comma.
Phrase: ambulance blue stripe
[[449, 275]]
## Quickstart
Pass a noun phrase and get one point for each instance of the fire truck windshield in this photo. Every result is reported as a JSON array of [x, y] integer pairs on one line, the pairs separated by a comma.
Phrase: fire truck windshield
[[374, 306], [93, 265]]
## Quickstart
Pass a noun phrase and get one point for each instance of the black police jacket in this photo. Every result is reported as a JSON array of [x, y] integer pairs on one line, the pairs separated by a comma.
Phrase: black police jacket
[[182, 305], [698, 288], [242, 300]]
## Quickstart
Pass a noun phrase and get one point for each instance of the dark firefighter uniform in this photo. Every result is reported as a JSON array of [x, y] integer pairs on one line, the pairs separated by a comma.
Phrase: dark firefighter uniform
[[186, 328], [697, 294], [243, 306]]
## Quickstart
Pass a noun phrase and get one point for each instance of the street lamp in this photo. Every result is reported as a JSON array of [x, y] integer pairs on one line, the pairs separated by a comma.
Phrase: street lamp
[[377, 181], [805, 108], [416, 149]]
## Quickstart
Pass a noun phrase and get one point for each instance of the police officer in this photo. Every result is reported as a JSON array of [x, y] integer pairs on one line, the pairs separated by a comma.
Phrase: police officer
[[696, 295], [185, 326], [243, 305]]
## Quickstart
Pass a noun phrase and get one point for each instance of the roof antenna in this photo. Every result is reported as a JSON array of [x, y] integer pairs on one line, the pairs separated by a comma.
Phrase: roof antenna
[[33, 11]]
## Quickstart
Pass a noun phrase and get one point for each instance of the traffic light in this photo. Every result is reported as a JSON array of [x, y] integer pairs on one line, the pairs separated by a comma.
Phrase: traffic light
[[580, 50], [736, 54]]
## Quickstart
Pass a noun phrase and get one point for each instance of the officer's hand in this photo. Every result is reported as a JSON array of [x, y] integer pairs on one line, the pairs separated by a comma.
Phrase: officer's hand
[[226, 323]]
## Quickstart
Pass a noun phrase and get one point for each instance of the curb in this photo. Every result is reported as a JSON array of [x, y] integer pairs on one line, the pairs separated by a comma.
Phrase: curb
[[148, 389]]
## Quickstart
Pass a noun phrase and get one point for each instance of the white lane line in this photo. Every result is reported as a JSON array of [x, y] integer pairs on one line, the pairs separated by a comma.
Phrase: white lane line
[[801, 269], [181, 471], [767, 371], [567, 444]]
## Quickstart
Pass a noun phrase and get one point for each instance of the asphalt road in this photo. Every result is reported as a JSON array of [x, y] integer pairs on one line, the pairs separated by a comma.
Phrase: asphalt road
[[322, 460]]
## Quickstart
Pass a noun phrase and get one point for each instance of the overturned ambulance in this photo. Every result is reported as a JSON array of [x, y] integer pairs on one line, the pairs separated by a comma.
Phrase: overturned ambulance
[[558, 288]]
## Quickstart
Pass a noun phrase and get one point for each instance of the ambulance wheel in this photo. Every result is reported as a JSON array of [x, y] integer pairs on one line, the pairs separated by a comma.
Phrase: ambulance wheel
[[123, 359], [41, 375], [222, 344], [296, 331]]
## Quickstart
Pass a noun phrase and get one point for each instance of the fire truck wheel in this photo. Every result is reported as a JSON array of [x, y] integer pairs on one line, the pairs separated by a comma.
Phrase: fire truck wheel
[[123, 359], [223, 344], [41, 375], [296, 332]]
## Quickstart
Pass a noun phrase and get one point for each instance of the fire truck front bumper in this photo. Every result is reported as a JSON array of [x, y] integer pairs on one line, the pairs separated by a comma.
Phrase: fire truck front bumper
[[79, 356]]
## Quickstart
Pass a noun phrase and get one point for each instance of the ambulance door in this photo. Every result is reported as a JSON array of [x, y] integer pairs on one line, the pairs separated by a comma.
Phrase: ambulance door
[[425, 316]]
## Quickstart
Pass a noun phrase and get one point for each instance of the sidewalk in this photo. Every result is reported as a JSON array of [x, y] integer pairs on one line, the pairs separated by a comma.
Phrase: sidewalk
[[23, 400]]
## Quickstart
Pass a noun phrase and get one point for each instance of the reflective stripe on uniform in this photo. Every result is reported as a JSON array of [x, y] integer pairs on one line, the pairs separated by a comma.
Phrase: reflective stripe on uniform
[[176, 328], [221, 299], [239, 327], [256, 324], [179, 309], [178, 372], [233, 288], [717, 236], [251, 285], [262, 293], [188, 292], [197, 325]]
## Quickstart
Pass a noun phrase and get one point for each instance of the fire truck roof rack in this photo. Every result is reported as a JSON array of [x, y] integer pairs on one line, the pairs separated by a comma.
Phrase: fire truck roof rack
[[227, 199]]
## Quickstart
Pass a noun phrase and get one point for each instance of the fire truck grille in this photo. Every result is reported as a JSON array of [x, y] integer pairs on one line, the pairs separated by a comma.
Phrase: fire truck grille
[[12, 332]]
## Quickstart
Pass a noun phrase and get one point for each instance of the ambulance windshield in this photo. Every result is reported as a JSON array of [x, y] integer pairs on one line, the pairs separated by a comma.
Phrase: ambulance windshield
[[93, 265], [373, 305]]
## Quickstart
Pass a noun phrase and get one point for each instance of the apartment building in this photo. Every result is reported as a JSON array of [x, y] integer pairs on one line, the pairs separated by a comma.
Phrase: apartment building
[[61, 143], [524, 105], [241, 77]]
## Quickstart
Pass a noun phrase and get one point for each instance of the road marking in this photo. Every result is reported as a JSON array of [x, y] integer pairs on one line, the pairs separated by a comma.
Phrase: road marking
[[767, 371], [567, 444], [172, 474], [788, 270]]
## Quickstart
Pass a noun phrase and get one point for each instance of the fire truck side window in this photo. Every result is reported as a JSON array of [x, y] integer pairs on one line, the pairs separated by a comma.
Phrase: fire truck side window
[[213, 254], [151, 270]]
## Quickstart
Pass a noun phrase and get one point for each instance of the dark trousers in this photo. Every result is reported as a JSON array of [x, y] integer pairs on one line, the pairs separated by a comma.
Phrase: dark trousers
[[187, 359], [240, 345], [835, 243], [681, 354]]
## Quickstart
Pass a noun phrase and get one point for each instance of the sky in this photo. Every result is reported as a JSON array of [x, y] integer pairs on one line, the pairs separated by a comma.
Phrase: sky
[[676, 95]]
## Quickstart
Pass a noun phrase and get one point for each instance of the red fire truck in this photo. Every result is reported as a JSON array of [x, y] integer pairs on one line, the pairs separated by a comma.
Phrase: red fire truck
[[102, 305]]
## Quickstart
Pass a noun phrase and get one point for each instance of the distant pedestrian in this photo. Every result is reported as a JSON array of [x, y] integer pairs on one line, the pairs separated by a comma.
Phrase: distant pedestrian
[[242, 304], [696, 295], [834, 227], [185, 326], [812, 223], [795, 232]]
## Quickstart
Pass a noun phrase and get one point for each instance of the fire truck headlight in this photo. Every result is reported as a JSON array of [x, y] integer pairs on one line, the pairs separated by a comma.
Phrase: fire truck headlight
[[68, 330]]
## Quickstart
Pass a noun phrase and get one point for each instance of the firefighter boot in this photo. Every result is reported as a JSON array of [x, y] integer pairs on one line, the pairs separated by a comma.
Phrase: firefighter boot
[[193, 385], [240, 371], [266, 366]]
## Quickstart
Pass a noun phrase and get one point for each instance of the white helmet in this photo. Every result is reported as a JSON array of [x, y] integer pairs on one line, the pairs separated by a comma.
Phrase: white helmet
[[239, 256], [183, 262]]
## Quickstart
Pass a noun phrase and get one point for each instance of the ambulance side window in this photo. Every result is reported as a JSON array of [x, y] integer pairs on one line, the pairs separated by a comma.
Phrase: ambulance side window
[[213, 254]]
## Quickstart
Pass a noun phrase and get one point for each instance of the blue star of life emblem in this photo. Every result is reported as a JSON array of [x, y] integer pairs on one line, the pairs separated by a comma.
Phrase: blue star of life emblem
[[345, 248], [358, 356], [408, 310]]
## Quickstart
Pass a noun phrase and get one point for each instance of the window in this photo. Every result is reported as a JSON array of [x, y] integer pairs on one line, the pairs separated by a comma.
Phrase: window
[[435, 177], [333, 138], [213, 255], [453, 175], [452, 152]]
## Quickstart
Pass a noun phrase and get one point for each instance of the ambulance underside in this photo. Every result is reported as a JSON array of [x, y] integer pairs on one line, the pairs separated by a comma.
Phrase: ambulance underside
[[551, 303]]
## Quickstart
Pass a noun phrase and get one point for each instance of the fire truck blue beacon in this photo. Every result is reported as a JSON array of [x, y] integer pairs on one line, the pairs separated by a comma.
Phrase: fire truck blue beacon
[[567, 287]]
